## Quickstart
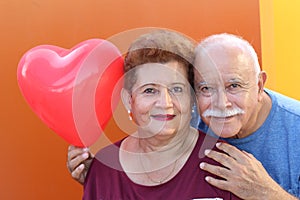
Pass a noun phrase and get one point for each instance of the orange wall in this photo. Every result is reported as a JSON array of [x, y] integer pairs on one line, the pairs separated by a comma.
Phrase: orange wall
[[280, 43], [33, 158]]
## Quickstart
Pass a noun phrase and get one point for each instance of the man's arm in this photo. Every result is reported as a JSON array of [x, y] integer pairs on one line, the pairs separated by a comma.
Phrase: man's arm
[[78, 163], [243, 175]]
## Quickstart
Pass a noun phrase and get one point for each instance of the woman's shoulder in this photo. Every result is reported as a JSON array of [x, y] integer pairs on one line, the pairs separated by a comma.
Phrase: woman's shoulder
[[109, 156], [113, 147], [206, 141]]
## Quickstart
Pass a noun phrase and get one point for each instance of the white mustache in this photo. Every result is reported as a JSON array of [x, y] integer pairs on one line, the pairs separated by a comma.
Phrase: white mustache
[[224, 113]]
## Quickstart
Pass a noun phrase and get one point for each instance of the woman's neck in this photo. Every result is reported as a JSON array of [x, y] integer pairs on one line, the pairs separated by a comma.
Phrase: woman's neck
[[165, 143], [148, 164]]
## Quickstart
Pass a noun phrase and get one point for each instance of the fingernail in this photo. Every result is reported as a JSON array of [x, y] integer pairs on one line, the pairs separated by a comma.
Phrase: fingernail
[[206, 152], [218, 144], [86, 149], [207, 178], [85, 155], [202, 165]]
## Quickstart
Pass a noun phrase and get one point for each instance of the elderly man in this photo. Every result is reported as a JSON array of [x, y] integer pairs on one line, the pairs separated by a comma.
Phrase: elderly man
[[234, 105]]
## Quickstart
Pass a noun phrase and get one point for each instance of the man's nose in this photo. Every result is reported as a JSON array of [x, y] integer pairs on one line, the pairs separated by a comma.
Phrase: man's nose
[[221, 100]]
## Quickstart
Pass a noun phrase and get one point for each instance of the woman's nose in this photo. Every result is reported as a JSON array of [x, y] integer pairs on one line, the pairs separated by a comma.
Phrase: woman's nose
[[165, 98]]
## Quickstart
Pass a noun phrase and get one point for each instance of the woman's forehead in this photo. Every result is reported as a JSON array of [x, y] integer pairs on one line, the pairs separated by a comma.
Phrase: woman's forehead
[[161, 73]]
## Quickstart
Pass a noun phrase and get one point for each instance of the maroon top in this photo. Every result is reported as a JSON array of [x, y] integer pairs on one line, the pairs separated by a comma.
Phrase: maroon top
[[107, 181]]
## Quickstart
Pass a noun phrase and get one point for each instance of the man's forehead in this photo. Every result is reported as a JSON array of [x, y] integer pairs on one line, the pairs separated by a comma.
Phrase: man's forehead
[[221, 53], [216, 77], [207, 72], [219, 62]]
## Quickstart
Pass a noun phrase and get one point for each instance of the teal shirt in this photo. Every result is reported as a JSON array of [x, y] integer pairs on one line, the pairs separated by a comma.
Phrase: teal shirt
[[276, 144]]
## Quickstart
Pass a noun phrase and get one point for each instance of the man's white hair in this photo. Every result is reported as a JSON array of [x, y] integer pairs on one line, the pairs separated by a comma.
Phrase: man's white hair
[[229, 40]]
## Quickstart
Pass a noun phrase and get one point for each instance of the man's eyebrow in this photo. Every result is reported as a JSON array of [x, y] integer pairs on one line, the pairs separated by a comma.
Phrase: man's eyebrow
[[234, 80], [202, 83]]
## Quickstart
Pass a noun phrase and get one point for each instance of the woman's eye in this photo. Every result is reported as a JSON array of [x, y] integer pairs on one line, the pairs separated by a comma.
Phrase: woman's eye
[[177, 90], [149, 91]]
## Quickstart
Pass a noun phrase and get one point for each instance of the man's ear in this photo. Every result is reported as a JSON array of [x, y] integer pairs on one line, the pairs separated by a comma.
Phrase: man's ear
[[126, 98], [261, 83]]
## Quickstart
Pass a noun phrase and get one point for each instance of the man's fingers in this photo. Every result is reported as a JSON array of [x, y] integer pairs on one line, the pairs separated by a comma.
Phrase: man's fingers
[[249, 155], [76, 161], [77, 172], [75, 151], [232, 152], [220, 171], [71, 147], [220, 157], [221, 184]]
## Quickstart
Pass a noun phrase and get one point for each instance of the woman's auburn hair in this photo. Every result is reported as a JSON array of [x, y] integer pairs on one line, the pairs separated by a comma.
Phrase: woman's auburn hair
[[160, 46]]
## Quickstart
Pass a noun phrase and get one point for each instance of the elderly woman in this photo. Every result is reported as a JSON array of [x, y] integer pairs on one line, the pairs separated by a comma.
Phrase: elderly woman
[[161, 160]]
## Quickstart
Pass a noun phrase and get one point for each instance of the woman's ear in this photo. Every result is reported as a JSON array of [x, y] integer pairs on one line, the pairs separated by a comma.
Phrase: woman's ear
[[126, 98]]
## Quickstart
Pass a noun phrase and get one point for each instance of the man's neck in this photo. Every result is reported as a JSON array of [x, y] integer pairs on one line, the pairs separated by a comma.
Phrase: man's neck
[[263, 110]]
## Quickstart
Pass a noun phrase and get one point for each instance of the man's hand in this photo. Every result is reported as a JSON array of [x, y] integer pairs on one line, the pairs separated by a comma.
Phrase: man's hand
[[78, 163], [244, 175]]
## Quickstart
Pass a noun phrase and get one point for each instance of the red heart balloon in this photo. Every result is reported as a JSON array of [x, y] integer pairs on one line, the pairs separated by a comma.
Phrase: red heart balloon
[[71, 89]]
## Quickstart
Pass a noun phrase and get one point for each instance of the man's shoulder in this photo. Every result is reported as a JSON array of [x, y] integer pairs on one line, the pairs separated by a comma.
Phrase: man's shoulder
[[283, 102]]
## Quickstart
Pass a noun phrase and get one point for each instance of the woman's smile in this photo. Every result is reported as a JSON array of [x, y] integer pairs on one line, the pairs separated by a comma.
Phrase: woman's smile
[[163, 117]]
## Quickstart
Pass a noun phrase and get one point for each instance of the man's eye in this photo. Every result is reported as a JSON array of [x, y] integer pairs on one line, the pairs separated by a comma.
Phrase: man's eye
[[234, 85], [206, 89], [234, 88]]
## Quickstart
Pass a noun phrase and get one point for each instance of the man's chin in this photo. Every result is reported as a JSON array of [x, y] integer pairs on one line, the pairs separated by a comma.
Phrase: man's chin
[[228, 135], [224, 133]]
